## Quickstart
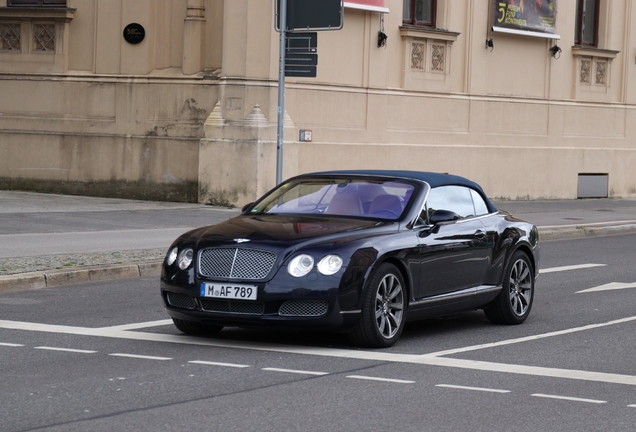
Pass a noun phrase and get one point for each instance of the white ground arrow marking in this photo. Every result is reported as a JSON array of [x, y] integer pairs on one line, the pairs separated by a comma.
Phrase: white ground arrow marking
[[610, 287], [571, 267]]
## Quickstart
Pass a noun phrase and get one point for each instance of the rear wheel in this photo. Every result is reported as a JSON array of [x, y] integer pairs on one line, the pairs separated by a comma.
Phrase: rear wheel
[[196, 328], [383, 309], [513, 304]]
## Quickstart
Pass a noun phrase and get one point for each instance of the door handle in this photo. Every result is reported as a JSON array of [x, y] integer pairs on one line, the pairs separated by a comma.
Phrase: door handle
[[480, 234]]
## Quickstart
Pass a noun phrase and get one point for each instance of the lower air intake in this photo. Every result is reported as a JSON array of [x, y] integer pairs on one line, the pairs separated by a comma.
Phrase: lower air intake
[[303, 308], [232, 307], [181, 301]]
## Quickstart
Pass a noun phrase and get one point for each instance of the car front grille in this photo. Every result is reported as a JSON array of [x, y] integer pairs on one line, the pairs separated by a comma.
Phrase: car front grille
[[236, 263], [308, 308], [181, 301], [232, 307]]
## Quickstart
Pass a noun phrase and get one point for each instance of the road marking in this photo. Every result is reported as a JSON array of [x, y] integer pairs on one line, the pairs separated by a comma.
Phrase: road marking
[[571, 267], [530, 338], [10, 344], [302, 372], [136, 356], [65, 350], [136, 326], [631, 406], [472, 388], [201, 362], [381, 356], [588, 224], [362, 377], [609, 287], [569, 398]]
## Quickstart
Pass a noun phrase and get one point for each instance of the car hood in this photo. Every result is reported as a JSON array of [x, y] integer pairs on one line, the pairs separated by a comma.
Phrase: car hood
[[282, 232]]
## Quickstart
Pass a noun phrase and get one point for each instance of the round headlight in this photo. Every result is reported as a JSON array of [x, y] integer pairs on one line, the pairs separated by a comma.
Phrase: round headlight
[[330, 265], [172, 256], [300, 266], [185, 258]]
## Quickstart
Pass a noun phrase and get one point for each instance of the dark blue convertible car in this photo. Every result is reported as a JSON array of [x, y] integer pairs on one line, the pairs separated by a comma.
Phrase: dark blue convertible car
[[355, 251]]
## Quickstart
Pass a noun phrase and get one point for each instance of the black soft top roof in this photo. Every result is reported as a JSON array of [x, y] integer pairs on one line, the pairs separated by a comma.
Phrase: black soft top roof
[[433, 179]]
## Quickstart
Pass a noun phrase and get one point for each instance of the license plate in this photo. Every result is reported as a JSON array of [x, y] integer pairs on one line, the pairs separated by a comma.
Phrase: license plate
[[229, 291]]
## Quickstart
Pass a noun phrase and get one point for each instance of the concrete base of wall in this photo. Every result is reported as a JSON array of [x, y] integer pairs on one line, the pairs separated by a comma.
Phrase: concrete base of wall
[[141, 189]]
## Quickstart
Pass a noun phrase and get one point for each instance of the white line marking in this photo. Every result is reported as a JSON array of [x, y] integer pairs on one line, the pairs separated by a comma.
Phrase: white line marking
[[362, 377], [571, 267], [472, 388], [65, 350], [10, 344], [631, 406], [529, 338], [609, 287], [139, 356], [569, 398], [136, 326], [340, 353], [201, 362], [302, 372], [588, 224]]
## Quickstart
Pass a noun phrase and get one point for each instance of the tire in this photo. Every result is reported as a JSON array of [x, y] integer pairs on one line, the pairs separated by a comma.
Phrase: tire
[[383, 309], [196, 328], [513, 304]]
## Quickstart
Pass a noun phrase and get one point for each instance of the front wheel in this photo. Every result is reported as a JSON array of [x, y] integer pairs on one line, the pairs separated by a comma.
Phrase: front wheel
[[196, 328], [513, 304], [383, 309]]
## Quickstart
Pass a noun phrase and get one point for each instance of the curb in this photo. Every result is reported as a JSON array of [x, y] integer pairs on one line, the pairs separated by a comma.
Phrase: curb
[[53, 278], [555, 233]]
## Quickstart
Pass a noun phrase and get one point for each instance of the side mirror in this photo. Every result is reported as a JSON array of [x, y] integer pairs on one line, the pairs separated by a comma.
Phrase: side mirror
[[441, 216]]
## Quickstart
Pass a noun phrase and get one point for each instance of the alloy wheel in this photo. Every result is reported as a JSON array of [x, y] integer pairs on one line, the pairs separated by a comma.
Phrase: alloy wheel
[[520, 287], [389, 306]]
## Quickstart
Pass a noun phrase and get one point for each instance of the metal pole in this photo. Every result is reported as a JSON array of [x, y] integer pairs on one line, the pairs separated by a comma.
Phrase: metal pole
[[281, 92]]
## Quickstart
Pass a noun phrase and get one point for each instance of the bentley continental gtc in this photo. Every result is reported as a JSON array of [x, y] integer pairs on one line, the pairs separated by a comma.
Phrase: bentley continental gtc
[[361, 252]]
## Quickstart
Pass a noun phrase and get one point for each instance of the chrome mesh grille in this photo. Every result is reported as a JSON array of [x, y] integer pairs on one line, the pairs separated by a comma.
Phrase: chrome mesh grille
[[182, 301], [232, 307], [309, 308], [236, 263]]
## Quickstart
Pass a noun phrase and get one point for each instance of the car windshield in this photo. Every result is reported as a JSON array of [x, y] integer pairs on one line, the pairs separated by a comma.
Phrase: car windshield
[[376, 198]]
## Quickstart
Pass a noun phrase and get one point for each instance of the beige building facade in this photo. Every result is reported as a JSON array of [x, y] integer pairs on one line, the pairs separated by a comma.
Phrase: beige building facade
[[189, 113]]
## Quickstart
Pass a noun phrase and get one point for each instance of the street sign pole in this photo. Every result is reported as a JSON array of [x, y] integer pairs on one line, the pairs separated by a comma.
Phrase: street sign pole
[[281, 92]]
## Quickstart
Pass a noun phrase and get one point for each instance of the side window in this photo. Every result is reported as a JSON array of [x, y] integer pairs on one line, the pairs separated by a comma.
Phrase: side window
[[419, 13], [480, 205], [457, 199], [30, 3], [586, 25]]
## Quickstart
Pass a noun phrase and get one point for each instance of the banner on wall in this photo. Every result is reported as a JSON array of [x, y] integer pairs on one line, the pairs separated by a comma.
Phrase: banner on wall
[[527, 17], [370, 5]]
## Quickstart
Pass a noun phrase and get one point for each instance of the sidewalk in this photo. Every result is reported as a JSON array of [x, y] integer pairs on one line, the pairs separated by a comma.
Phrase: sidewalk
[[49, 240]]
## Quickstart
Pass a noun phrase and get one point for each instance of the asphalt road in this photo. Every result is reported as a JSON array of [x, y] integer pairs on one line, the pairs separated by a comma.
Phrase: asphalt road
[[103, 357]]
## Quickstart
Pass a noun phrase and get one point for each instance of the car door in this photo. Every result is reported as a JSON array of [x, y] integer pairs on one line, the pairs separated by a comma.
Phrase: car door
[[453, 255]]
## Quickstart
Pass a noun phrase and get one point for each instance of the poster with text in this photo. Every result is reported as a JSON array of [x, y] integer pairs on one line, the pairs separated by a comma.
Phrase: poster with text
[[537, 16]]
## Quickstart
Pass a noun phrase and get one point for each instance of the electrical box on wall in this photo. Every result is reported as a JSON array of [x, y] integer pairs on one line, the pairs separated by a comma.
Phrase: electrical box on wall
[[305, 135]]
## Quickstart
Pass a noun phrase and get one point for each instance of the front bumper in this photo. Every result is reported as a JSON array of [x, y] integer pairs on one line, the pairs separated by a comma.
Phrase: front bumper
[[299, 308]]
